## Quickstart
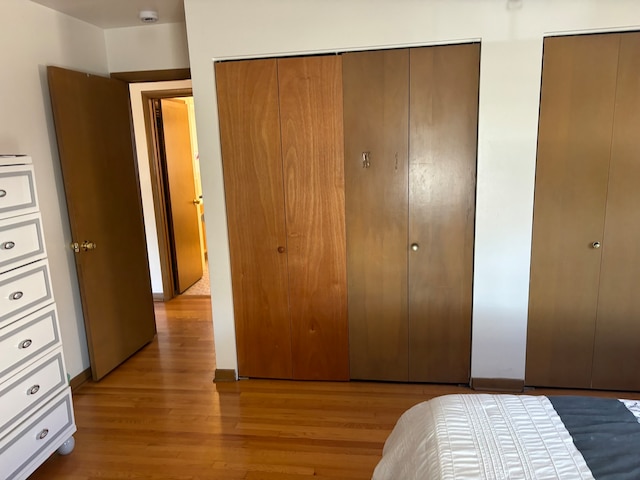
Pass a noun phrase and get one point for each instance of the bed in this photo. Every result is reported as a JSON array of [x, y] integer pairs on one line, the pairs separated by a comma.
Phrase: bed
[[481, 436]]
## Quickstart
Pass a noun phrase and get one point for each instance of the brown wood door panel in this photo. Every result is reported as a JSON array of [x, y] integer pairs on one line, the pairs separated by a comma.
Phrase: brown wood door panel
[[93, 129], [376, 102], [313, 162], [574, 142], [616, 355], [252, 163], [442, 181], [187, 250]]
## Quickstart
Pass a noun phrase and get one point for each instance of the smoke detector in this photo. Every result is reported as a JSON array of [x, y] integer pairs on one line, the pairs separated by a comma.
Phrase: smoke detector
[[148, 16]]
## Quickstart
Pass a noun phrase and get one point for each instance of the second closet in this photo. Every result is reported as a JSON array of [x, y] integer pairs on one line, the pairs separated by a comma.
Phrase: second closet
[[410, 119]]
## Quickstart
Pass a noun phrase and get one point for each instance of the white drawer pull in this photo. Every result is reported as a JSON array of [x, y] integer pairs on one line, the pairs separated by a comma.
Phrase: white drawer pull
[[43, 434], [16, 296], [3, 193], [33, 390], [8, 245], [25, 343]]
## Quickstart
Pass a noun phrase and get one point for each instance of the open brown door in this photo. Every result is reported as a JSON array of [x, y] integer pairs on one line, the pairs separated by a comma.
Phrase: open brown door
[[182, 201], [93, 128]]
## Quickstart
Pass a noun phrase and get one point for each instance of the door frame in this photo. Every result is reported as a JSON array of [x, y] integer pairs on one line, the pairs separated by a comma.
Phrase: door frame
[[158, 185], [140, 76]]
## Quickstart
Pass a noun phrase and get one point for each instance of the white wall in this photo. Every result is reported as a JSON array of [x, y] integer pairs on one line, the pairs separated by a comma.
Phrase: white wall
[[144, 170], [32, 37], [509, 94], [147, 47]]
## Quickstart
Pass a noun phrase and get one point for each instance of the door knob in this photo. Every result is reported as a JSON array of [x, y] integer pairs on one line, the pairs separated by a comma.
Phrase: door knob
[[197, 201], [595, 244], [415, 247], [88, 246]]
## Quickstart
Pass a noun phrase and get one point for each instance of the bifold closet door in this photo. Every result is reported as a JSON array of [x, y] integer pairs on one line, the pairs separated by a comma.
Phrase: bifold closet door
[[252, 163], [281, 130], [410, 156], [616, 355], [376, 116], [574, 144], [313, 159], [443, 130]]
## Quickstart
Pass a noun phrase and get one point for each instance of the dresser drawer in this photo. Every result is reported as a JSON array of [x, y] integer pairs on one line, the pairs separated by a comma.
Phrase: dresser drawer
[[30, 389], [17, 191], [21, 241], [24, 290], [22, 341], [30, 444]]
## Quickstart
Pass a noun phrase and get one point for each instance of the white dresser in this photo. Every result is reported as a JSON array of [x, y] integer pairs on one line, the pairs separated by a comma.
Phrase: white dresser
[[36, 411]]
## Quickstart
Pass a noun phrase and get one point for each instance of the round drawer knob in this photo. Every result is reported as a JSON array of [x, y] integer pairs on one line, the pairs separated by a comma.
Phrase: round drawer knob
[[16, 295], [33, 390], [8, 245], [3, 193], [25, 343], [281, 249], [43, 434]]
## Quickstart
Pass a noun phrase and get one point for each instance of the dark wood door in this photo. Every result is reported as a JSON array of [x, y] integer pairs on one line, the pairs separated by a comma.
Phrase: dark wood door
[[252, 162], [616, 354], [574, 145], [376, 123], [313, 161], [442, 182], [183, 204], [93, 129]]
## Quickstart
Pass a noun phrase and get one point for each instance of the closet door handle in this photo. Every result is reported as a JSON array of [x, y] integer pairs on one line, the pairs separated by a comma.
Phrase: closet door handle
[[415, 247], [595, 244]]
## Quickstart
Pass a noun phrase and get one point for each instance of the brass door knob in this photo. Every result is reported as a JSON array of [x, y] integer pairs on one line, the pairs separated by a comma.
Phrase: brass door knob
[[86, 245]]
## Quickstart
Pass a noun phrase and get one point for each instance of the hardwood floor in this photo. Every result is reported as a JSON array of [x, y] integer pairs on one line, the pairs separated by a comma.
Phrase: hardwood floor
[[159, 416]]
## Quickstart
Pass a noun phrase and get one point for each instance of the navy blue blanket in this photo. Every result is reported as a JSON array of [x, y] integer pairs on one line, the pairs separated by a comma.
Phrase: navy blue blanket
[[606, 433]]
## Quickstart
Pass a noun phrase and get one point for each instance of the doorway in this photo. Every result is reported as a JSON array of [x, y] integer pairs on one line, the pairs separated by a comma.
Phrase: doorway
[[171, 195]]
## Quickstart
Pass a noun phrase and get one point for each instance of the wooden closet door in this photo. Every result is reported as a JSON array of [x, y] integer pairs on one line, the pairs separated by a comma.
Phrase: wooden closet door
[[574, 143], [442, 183], [252, 164], [312, 146], [376, 100], [617, 345]]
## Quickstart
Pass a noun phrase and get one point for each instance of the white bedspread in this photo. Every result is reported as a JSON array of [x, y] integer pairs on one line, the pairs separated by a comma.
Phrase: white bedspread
[[457, 437]]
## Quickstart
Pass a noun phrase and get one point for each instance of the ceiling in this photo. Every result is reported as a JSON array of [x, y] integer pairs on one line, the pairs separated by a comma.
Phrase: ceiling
[[117, 13]]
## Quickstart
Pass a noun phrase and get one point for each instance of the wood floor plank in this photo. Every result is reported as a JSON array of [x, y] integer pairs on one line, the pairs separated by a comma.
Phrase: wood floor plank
[[160, 416]]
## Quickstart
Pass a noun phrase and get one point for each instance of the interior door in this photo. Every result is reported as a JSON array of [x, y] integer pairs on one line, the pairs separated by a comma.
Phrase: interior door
[[93, 129], [574, 145], [183, 204], [376, 123], [443, 129]]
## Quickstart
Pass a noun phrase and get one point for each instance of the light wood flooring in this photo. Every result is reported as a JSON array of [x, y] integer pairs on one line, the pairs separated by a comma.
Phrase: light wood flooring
[[159, 416]]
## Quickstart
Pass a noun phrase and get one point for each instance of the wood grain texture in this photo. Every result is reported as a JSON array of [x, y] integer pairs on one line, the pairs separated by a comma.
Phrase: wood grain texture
[[616, 354], [574, 142], [159, 416], [376, 116], [181, 189], [313, 163], [442, 182], [100, 176], [252, 164]]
